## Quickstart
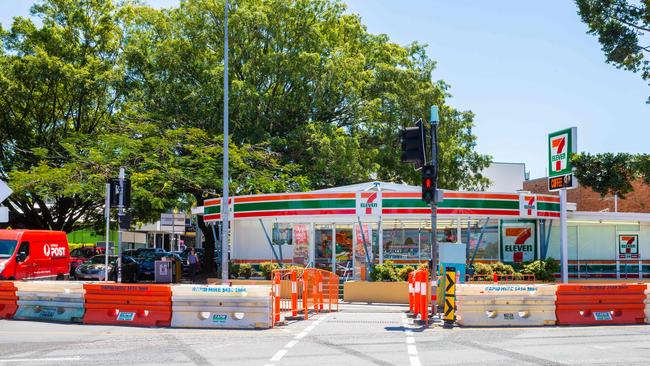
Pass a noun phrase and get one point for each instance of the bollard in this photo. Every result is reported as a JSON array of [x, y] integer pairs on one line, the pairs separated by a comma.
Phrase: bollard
[[294, 293], [411, 292], [449, 316], [276, 297], [424, 295]]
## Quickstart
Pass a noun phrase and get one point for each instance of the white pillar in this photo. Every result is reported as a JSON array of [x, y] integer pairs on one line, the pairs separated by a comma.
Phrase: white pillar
[[380, 239], [564, 242]]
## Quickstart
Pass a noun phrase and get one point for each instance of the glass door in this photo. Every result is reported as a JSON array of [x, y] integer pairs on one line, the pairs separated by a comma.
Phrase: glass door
[[343, 257], [323, 240]]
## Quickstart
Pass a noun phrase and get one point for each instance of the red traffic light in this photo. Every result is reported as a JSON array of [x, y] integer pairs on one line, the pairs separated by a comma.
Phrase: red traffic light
[[428, 183]]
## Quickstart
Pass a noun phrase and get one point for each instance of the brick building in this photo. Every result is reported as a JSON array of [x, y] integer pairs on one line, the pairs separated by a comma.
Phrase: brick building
[[588, 200]]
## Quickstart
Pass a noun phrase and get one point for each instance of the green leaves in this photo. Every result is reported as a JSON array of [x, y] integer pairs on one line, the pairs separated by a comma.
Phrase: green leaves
[[621, 27], [610, 173]]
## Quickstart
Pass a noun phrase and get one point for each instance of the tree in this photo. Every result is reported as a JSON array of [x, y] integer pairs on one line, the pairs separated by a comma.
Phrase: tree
[[60, 82], [610, 173], [621, 27]]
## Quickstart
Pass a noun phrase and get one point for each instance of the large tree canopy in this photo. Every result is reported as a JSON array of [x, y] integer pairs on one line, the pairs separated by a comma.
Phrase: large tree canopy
[[316, 101], [610, 173], [623, 28]]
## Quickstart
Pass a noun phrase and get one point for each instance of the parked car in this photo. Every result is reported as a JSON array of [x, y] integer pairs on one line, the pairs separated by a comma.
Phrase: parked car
[[147, 263], [80, 255], [93, 269], [34, 254]]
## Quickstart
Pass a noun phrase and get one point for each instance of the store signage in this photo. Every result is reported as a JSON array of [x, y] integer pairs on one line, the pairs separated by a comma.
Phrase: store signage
[[518, 242], [628, 246], [561, 147], [528, 205], [301, 242], [369, 203]]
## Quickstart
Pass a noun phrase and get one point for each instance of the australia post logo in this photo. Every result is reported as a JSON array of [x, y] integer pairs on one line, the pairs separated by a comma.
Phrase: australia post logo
[[528, 205], [53, 250], [368, 203], [559, 156]]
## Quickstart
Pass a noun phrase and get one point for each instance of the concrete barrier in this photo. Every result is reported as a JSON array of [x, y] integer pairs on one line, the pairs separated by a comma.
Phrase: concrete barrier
[[505, 305], [50, 301], [195, 306]]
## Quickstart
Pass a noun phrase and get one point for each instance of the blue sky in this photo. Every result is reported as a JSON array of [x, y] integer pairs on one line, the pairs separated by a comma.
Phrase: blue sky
[[525, 68]]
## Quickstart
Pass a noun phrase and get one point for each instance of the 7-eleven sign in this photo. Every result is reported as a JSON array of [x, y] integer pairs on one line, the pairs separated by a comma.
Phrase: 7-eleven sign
[[628, 246], [528, 205], [561, 147]]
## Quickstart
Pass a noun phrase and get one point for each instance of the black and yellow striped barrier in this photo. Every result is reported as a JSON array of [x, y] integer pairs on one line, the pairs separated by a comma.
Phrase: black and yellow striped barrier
[[449, 316]]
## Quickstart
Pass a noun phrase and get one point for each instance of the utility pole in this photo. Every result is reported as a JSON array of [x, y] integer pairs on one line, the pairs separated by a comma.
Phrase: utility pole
[[434, 215], [120, 214], [107, 213], [224, 204]]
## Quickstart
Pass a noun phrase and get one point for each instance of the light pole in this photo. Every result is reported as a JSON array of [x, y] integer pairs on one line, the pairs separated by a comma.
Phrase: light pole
[[224, 203]]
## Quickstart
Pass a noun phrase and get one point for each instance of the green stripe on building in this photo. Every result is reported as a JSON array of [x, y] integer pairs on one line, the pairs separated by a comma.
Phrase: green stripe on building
[[294, 205], [211, 210], [453, 203], [548, 206]]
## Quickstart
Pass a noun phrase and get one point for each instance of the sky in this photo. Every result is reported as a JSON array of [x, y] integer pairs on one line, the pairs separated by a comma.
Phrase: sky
[[525, 68]]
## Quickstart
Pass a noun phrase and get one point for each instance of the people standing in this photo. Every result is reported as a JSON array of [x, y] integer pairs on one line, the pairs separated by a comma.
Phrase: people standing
[[192, 261]]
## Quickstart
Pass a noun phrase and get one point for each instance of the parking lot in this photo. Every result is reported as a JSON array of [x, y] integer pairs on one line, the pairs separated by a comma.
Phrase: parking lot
[[358, 335]]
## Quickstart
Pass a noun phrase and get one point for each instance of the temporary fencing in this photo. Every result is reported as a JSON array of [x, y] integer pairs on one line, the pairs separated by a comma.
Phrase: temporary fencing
[[8, 300], [299, 292], [505, 305], [50, 300], [419, 295], [600, 304], [122, 304], [195, 306]]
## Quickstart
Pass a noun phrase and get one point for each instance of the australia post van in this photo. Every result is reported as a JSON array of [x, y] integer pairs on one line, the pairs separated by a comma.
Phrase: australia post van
[[33, 255]]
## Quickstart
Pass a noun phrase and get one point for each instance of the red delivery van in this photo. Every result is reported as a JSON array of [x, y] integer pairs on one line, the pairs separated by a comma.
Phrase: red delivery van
[[34, 255]]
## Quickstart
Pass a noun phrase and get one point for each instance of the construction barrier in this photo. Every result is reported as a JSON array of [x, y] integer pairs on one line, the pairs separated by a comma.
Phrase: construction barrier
[[600, 304], [505, 305], [647, 304], [449, 308], [195, 306], [50, 300], [419, 295], [299, 292], [8, 300], [122, 304]]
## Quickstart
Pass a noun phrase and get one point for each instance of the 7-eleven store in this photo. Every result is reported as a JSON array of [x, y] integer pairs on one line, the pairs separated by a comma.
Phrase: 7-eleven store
[[342, 228]]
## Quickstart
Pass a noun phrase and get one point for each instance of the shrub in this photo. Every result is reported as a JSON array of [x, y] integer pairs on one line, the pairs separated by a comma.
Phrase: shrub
[[267, 267], [245, 270], [384, 272], [542, 269], [233, 270], [403, 273], [502, 269], [482, 269]]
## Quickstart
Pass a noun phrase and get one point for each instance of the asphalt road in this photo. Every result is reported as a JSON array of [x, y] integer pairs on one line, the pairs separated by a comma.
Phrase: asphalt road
[[358, 335]]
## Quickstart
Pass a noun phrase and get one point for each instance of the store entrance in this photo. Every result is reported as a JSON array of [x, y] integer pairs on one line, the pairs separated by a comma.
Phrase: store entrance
[[343, 257], [323, 240]]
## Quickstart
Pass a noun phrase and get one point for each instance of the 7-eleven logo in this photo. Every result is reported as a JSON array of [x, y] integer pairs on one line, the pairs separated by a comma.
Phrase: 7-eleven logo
[[559, 153], [369, 203], [528, 205]]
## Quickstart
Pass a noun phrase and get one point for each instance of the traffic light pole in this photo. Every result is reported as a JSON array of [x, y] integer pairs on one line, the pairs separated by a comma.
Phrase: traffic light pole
[[434, 204]]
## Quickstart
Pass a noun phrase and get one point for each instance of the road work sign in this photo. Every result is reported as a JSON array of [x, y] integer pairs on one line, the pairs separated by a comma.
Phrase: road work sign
[[449, 316]]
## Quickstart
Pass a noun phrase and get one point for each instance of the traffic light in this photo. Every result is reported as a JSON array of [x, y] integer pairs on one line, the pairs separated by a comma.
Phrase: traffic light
[[428, 183], [413, 144]]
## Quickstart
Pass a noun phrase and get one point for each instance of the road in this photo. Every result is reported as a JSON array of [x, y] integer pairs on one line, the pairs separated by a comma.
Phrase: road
[[357, 335]]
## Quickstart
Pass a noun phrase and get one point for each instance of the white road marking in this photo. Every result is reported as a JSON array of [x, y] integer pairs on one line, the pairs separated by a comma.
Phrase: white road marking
[[415, 361], [279, 354], [410, 340], [54, 359], [412, 350]]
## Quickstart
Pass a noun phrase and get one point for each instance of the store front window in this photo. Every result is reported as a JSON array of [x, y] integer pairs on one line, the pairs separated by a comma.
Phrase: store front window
[[323, 240]]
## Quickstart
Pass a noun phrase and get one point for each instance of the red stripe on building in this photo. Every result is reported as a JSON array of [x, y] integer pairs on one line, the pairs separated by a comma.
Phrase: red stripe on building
[[295, 213], [294, 196]]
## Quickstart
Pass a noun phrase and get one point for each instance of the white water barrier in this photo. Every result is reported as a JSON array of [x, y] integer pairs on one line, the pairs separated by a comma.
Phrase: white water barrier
[[50, 300], [647, 304], [196, 306], [505, 305]]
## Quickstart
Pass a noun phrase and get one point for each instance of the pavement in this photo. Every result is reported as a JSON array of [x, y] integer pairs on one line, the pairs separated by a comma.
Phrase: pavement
[[359, 334]]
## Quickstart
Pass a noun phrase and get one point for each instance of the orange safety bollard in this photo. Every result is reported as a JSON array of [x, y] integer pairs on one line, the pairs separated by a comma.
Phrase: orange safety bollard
[[294, 293], [8, 300], [410, 280], [416, 292], [122, 304], [276, 297], [424, 294]]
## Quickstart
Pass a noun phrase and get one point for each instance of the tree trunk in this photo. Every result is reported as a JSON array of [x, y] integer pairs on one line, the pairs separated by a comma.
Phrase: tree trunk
[[209, 247]]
